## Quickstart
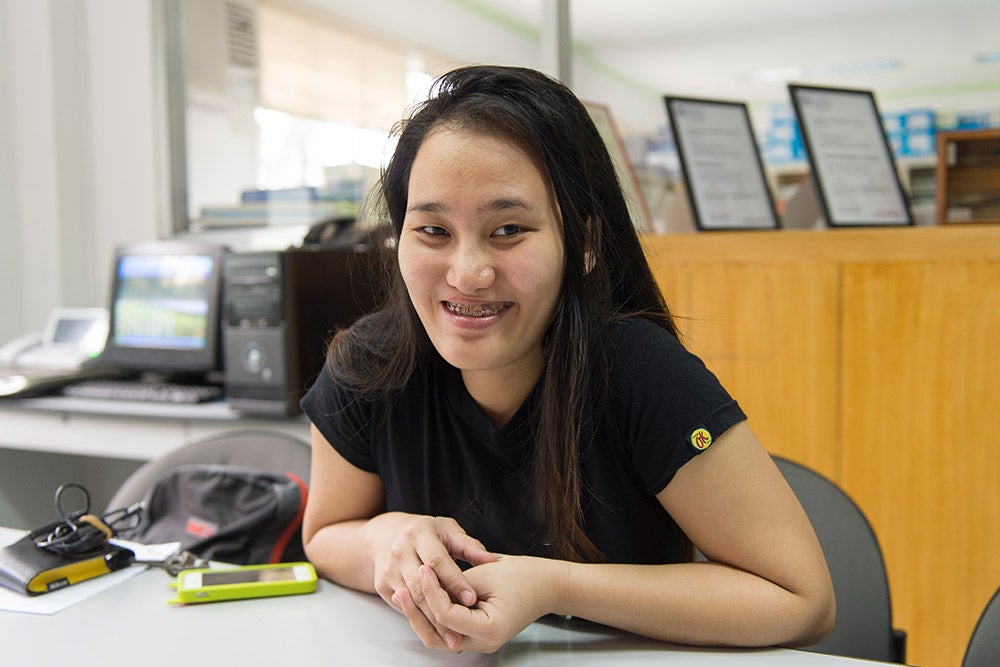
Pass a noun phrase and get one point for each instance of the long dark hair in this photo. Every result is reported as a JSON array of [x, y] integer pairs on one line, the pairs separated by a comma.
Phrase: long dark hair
[[606, 274]]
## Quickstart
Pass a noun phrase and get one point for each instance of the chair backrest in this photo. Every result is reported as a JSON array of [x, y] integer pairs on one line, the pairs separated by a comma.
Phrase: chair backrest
[[984, 644], [252, 448], [864, 612]]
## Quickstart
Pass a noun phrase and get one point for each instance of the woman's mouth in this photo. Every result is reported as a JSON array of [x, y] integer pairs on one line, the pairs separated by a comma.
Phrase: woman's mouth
[[476, 309]]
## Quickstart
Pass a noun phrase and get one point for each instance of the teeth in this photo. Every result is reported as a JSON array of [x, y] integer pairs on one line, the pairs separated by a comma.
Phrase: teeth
[[477, 310]]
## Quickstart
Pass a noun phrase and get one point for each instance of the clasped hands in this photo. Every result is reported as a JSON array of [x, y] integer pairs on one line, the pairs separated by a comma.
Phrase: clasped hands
[[479, 609]]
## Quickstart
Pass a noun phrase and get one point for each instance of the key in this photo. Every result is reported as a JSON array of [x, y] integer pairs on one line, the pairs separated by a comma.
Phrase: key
[[177, 561]]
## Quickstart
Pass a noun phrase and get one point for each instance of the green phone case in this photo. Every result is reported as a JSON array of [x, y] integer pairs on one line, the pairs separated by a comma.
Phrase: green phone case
[[243, 582]]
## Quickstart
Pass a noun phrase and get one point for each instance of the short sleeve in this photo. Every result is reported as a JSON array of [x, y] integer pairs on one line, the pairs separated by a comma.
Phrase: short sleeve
[[669, 407], [344, 419]]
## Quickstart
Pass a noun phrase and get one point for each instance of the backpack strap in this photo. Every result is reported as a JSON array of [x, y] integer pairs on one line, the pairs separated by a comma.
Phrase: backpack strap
[[295, 525]]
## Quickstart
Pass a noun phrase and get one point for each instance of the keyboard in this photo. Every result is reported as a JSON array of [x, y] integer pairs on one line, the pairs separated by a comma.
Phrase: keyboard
[[137, 390]]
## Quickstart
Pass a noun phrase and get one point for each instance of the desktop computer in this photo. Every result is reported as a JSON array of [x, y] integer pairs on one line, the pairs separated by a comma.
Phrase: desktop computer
[[280, 310]]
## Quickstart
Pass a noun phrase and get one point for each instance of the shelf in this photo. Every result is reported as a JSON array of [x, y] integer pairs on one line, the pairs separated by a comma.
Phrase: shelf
[[968, 176]]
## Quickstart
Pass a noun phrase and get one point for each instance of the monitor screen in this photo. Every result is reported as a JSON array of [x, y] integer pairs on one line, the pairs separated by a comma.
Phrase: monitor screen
[[723, 173], [848, 151], [165, 308]]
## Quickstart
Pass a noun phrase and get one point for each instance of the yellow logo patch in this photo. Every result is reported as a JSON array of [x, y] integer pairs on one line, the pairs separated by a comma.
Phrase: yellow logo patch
[[701, 439]]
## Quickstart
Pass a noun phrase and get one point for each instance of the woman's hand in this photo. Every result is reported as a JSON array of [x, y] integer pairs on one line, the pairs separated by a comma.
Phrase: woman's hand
[[513, 592], [402, 544]]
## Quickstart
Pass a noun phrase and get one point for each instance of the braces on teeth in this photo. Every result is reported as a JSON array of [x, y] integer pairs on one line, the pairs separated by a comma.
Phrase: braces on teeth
[[478, 310]]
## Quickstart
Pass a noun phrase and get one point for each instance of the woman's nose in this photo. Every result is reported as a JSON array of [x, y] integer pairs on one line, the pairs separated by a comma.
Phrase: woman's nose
[[471, 270]]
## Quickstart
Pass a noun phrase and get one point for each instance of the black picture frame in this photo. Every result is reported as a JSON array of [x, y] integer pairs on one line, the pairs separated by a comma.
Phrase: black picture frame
[[850, 158], [724, 175]]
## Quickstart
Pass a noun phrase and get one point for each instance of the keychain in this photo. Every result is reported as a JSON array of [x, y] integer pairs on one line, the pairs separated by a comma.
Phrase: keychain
[[177, 562]]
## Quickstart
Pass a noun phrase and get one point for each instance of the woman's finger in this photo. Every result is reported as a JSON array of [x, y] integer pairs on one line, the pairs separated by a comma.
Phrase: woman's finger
[[431, 636], [440, 608], [438, 554], [467, 548]]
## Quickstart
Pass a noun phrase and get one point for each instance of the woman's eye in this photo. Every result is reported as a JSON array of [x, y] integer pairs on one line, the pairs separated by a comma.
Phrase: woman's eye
[[431, 230], [508, 230]]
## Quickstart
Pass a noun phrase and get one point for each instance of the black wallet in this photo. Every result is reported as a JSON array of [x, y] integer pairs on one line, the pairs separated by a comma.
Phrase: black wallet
[[31, 570]]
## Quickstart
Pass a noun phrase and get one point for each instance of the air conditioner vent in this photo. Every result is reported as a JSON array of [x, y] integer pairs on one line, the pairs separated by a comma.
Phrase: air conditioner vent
[[241, 35]]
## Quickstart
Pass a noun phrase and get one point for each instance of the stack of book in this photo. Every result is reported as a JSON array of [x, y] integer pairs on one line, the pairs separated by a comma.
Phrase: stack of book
[[288, 206]]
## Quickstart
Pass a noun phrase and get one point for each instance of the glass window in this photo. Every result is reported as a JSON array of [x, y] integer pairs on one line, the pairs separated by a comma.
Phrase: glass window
[[288, 112]]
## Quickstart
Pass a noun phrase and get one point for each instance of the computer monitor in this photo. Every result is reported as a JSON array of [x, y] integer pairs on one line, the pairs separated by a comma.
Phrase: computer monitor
[[849, 153], [165, 309], [723, 172]]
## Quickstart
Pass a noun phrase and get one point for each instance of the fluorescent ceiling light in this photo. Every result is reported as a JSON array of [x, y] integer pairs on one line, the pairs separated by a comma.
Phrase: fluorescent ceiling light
[[774, 74], [777, 74]]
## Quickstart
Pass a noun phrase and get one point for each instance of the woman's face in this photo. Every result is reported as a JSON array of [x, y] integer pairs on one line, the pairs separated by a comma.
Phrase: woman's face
[[481, 251]]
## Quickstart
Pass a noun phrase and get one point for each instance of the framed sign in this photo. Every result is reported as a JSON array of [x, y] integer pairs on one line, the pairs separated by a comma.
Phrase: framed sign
[[852, 164], [723, 172], [638, 208]]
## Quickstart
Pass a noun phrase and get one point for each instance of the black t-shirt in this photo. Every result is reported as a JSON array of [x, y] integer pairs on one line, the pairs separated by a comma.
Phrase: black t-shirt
[[437, 453]]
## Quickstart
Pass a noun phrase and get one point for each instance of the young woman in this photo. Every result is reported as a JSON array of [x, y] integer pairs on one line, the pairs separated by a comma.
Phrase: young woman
[[518, 431]]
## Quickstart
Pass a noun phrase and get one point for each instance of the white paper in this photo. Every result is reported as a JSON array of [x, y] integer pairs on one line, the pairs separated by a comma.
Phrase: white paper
[[724, 173], [856, 172], [56, 601]]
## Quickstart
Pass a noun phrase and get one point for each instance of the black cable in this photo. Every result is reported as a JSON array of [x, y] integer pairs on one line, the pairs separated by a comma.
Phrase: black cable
[[79, 532]]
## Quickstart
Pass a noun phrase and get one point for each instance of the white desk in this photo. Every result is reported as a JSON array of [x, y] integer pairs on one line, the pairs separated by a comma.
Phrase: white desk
[[131, 430], [131, 623], [47, 441]]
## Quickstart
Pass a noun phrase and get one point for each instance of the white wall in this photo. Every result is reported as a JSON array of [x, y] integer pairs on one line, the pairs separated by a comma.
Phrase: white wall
[[79, 150], [11, 296]]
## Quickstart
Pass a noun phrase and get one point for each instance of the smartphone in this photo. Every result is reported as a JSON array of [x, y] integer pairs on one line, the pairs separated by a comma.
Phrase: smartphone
[[243, 582]]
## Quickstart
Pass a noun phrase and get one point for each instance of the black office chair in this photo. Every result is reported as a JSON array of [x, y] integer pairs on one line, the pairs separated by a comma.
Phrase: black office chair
[[864, 610], [984, 644], [271, 451]]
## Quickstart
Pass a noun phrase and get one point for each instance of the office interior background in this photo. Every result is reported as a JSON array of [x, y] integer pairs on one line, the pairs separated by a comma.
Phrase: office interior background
[[97, 149], [86, 158]]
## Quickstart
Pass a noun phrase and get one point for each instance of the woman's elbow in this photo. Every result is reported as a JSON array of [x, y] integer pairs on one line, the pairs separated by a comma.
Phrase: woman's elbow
[[309, 546], [818, 616]]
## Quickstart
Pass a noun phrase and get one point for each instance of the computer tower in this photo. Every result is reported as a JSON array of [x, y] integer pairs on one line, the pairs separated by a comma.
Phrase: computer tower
[[280, 310]]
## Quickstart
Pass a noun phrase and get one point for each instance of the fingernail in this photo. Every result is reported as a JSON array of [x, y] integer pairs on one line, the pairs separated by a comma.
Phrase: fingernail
[[468, 598], [451, 639]]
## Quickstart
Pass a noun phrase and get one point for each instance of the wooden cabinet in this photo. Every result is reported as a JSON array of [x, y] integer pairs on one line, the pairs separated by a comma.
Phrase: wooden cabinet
[[871, 355], [968, 176]]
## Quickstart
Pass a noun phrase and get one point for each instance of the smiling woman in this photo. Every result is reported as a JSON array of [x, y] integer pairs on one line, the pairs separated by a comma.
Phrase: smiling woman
[[521, 404], [481, 254]]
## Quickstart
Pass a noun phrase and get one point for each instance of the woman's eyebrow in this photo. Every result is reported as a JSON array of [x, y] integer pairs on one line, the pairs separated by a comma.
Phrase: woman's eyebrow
[[504, 204], [426, 207], [494, 206]]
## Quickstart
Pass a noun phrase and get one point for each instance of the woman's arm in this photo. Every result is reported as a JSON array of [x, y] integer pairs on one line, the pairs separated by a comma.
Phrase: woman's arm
[[351, 540], [767, 582], [342, 498]]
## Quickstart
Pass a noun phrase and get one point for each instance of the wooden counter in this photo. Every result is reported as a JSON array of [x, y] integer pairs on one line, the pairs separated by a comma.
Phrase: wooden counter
[[873, 356]]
